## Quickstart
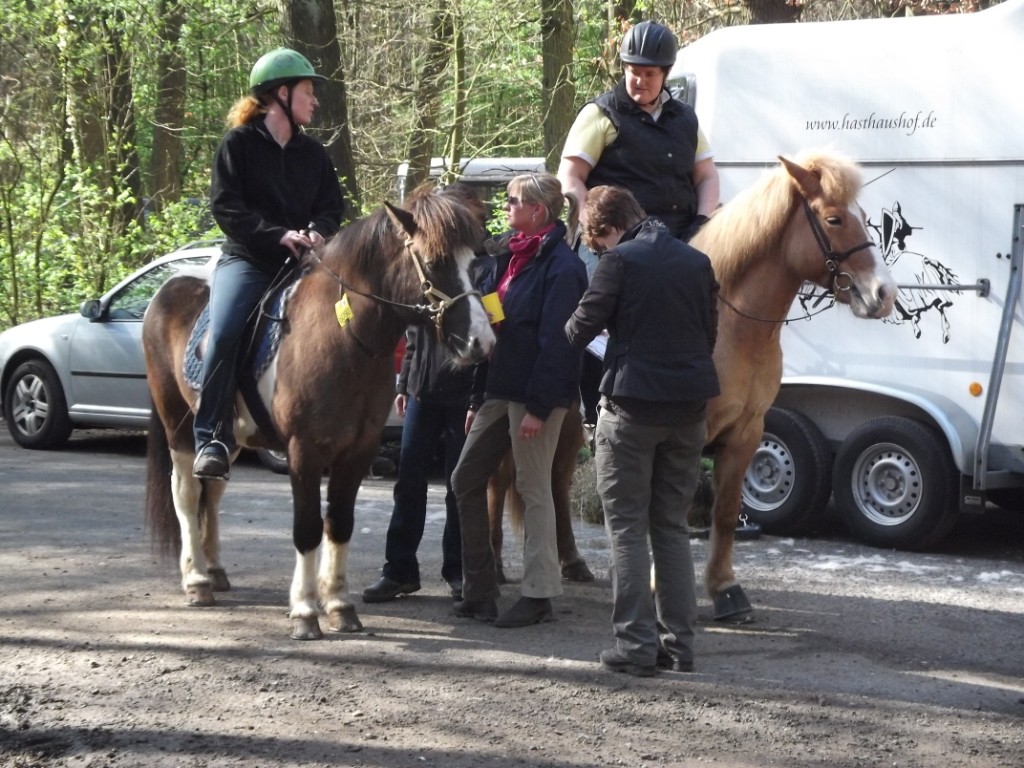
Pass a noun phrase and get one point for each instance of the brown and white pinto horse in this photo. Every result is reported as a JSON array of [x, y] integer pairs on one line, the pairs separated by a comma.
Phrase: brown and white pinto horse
[[800, 223], [328, 391]]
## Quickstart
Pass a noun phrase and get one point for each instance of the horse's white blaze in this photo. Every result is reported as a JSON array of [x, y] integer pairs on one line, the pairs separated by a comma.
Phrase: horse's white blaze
[[186, 491], [872, 297], [303, 595], [334, 576], [481, 336]]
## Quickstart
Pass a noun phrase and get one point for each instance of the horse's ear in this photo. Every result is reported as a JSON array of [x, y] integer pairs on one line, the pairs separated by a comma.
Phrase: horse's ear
[[808, 182], [402, 219]]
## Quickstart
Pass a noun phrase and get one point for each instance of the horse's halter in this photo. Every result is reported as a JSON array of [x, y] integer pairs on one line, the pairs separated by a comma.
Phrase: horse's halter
[[439, 301], [841, 281], [438, 304]]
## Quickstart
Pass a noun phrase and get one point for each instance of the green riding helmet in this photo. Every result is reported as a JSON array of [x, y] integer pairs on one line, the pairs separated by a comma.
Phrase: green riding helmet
[[649, 44], [278, 67]]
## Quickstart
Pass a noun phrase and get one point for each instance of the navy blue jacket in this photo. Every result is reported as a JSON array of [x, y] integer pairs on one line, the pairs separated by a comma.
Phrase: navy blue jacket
[[533, 362]]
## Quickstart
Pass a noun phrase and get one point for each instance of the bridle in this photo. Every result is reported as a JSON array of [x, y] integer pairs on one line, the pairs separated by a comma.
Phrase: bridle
[[438, 303], [841, 281]]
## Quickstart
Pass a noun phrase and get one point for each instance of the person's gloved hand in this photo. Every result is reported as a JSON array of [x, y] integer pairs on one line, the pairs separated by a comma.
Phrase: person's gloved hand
[[687, 234]]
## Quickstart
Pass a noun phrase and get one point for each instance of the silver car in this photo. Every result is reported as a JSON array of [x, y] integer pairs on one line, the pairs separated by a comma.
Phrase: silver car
[[86, 369]]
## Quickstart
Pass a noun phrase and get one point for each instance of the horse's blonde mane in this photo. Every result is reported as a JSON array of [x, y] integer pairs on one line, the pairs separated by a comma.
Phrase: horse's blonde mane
[[753, 221]]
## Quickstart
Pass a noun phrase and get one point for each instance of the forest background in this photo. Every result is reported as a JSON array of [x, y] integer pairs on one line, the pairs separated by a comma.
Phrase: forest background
[[111, 110]]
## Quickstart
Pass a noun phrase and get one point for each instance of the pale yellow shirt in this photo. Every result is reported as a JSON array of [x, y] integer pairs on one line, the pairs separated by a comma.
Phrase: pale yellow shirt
[[593, 131]]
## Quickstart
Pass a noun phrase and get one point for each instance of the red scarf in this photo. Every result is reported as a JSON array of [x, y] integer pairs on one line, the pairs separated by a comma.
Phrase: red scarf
[[524, 248]]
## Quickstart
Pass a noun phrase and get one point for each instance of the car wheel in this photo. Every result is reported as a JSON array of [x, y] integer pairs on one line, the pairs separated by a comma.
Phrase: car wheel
[[35, 408], [275, 461], [788, 482], [896, 485]]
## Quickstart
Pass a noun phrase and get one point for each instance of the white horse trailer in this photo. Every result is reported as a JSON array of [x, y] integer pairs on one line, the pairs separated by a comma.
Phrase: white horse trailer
[[916, 418]]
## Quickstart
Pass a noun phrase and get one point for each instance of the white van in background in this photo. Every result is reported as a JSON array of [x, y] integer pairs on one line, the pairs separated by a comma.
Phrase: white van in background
[[919, 417], [489, 175]]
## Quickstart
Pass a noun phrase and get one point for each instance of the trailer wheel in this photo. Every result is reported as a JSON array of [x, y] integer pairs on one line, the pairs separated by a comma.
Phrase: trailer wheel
[[788, 482], [896, 485]]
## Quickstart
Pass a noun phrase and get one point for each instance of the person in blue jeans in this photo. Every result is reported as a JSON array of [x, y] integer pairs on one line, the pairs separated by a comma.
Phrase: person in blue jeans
[[274, 193], [433, 394]]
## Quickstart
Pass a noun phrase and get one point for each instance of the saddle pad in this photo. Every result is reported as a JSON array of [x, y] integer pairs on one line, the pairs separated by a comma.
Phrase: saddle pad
[[264, 340]]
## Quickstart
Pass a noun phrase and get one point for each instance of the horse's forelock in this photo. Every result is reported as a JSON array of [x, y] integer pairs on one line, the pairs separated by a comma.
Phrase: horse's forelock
[[840, 176], [444, 224]]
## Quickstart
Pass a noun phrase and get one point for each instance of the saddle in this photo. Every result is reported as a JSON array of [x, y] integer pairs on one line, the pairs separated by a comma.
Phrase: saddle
[[260, 342]]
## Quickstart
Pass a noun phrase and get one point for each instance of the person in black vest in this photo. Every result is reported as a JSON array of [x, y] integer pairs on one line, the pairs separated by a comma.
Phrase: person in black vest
[[637, 136], [657, 297]]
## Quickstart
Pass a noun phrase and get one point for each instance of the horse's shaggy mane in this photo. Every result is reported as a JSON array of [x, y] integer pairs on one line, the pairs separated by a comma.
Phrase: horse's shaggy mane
[[755, 218], [446, 221]]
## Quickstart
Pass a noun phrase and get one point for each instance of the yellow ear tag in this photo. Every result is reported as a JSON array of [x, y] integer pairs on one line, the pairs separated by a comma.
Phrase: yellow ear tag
[[492, 306], [343, 311]]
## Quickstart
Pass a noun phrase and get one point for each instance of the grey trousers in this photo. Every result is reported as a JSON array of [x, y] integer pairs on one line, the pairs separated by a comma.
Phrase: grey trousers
[[646, 478], [494, 430]]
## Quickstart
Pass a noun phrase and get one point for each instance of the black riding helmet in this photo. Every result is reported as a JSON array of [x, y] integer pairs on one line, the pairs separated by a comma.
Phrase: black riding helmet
[[649, 44], [281, 66]]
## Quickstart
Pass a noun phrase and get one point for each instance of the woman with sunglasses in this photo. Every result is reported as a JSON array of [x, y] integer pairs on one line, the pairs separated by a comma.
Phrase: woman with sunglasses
[[530, 380]]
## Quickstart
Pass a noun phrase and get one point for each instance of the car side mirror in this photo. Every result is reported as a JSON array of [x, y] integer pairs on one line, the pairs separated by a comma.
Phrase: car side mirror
[[90, 309]]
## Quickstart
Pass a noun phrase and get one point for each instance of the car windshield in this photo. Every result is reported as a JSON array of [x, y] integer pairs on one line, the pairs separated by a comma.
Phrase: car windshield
[[131, 301]]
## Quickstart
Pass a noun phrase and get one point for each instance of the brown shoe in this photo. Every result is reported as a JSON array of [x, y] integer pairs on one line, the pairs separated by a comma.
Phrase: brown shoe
[[481, 610], [526, 611]]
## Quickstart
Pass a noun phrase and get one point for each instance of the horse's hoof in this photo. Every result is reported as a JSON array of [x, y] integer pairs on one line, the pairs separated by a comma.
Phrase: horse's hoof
[[199, 595], [219, 580], [577, 571], [306, 628], [732, 605], [344, 620]]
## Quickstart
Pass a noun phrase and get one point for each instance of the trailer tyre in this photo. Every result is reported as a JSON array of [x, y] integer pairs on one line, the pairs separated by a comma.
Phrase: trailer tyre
[[895, 484], [788, 481]]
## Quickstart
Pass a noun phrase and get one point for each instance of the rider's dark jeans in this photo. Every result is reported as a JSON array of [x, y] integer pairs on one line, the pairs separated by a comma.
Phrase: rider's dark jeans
[[425, 424], [235, 293]]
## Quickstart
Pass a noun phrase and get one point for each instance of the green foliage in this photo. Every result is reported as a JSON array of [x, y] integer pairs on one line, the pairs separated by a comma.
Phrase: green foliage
[[79, 98]]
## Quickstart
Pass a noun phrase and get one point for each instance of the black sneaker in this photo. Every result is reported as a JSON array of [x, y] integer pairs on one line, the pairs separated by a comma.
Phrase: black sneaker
[[616, 662], [672, 662], [386, 590], [212, 462]]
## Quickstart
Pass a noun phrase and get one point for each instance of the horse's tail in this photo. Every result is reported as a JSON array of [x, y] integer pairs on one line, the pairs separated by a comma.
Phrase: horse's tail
[[161, 520]]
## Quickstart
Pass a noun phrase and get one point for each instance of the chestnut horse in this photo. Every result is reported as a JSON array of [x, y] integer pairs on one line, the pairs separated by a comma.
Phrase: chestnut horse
[[799, 223], [328, 390]]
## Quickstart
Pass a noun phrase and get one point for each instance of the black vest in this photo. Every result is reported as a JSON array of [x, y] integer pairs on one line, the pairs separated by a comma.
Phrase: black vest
[[652, 159]]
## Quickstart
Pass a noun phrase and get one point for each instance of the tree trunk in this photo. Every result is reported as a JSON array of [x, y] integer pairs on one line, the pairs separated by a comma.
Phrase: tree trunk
[[311, 29], [165, 163], [457, 136], [557, 89], [773, 11], [428, 96]]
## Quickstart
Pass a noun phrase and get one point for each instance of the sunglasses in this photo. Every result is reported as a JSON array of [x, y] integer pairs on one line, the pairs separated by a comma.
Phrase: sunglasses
[[512, 200]]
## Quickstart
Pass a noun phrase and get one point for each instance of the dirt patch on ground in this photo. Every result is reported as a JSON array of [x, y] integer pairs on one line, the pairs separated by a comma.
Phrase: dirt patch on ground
[[857, 657]]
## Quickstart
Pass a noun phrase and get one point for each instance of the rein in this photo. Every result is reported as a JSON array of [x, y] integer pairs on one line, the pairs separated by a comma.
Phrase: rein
[[841, 281], [438, 301]]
